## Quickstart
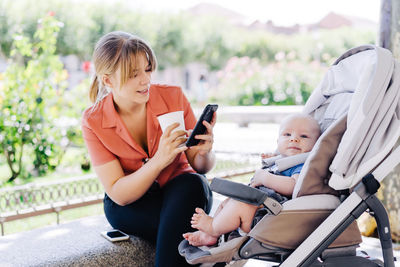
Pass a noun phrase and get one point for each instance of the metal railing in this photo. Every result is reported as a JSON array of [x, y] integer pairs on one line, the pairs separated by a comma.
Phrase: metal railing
[[40, 198], [35, 199]]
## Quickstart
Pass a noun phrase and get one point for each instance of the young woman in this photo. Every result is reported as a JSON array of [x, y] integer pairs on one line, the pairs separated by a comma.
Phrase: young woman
[[152, 183]]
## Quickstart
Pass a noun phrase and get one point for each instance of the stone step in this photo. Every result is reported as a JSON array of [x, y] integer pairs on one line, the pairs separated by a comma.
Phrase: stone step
[[76, 243]]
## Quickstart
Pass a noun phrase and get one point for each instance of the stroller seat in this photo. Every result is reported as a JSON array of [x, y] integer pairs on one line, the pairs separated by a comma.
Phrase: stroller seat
[[357, 105]]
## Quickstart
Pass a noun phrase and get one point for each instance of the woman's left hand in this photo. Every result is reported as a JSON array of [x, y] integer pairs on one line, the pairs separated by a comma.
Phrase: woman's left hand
[[206, 139]]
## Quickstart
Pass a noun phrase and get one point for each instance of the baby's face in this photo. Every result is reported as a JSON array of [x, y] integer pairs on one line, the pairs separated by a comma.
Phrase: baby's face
[[297, 135]]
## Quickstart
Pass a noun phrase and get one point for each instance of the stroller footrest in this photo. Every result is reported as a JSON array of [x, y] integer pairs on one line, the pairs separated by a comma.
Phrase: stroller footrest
[[225, 253]]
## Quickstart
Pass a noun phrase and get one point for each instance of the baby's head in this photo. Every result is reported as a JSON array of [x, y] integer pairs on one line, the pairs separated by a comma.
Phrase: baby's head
[[297, 134]]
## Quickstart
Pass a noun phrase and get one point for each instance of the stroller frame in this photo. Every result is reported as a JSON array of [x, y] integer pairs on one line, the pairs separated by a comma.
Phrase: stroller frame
[[362, 199]]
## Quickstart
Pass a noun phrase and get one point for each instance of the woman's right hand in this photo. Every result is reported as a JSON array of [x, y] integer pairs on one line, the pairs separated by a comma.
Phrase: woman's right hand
[[169, 145]]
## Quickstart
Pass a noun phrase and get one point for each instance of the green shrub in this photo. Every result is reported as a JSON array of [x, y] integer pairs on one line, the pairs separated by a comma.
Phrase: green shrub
[[244, 81], [31, 103]]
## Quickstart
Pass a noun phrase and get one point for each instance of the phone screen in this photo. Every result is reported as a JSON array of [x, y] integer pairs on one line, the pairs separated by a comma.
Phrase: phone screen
[[199, 128], [114, 234]]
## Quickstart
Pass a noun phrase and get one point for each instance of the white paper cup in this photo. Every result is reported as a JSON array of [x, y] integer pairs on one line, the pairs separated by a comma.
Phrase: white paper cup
[[170, 118]]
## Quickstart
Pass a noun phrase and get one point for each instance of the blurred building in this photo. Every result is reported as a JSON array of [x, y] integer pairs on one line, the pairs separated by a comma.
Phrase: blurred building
[[330, 21], [333, 21]]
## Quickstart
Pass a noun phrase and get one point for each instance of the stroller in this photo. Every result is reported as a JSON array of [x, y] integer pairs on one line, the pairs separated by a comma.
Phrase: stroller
[[357, 105]]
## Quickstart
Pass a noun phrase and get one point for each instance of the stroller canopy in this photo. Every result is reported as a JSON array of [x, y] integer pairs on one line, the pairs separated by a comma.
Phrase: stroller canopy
[[366, 88]]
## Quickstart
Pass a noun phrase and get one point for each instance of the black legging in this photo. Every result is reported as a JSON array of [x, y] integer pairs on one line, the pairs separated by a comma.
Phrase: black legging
[[162, 215]]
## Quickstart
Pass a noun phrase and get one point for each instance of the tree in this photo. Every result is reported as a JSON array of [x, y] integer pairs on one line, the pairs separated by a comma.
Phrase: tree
[[389, 37], [33, 82]]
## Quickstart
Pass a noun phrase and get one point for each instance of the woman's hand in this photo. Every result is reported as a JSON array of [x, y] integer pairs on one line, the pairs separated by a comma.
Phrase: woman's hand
[[207, 139], [201, 157], [169, 146]]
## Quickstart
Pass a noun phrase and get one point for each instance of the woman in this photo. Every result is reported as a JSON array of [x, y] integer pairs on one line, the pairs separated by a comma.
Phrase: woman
[[150, 180]]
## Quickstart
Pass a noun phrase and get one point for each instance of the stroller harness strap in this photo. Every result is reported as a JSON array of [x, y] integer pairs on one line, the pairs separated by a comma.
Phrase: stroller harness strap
[[284, 163]]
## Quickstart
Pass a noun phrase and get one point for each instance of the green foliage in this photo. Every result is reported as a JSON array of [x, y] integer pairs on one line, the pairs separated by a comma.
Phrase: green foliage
[[321, 45], [30, 97], [263, 45], [282, 69], [245, 81], [169, 42]]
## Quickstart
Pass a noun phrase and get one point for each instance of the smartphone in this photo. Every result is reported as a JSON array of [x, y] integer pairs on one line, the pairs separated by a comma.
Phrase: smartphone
[[207, 115], [115, 235]]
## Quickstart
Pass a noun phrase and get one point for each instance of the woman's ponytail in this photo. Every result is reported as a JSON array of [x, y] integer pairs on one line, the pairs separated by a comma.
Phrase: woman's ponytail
[[94, 90]]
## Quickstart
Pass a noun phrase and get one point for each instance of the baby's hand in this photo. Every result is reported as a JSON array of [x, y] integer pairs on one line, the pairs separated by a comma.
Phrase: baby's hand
[[267, 155], [259, 178]]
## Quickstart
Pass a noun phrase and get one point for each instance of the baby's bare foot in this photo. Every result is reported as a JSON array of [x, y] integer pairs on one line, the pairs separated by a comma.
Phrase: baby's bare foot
[[199, 238], [202, 221]]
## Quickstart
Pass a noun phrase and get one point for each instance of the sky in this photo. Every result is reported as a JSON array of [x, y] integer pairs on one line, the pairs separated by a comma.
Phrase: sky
[[281, 12]]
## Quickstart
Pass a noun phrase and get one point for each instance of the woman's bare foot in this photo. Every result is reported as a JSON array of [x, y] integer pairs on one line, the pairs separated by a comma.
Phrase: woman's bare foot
[[200, 238], [202, 221]]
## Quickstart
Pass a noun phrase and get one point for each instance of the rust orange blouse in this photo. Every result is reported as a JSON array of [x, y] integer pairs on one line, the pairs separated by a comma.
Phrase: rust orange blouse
[[107, 138]]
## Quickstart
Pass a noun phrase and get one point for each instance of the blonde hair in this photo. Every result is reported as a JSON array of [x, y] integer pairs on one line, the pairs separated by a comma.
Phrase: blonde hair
[[314, 125], [117, 50]]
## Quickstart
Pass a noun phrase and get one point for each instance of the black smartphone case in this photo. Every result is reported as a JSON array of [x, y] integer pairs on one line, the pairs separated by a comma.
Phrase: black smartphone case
[[207, 115]]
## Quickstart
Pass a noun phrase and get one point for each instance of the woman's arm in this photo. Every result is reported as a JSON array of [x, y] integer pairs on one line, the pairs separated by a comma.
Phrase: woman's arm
[[201, 157], [124, 189]]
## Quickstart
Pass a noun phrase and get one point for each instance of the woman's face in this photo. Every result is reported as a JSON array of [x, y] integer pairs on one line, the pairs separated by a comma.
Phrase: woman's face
[[136, 88]]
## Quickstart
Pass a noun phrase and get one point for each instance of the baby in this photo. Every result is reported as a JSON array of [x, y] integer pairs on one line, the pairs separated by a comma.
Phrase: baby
[[297, 134]]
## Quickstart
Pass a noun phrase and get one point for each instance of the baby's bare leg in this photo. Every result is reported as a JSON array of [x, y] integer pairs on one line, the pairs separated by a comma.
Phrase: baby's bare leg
[[234, 214], [202, 221], [221, 206]]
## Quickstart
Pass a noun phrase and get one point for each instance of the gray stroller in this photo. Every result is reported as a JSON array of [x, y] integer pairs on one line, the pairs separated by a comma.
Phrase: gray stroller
[[358, 107]]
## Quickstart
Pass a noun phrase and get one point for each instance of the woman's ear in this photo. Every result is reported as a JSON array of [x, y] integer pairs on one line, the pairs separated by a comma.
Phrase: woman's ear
[[107, 81]]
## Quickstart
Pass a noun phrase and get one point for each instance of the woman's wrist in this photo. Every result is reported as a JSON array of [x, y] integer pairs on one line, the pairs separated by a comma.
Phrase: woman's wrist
[[156, 164]]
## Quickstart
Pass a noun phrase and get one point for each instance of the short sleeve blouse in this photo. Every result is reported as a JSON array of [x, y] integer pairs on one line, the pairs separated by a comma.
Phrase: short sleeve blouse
[[107, 138]]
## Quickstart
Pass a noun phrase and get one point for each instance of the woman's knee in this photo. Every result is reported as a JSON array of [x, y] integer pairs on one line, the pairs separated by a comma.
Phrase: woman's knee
[[129, 218], [190, 183], [190, 186]]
